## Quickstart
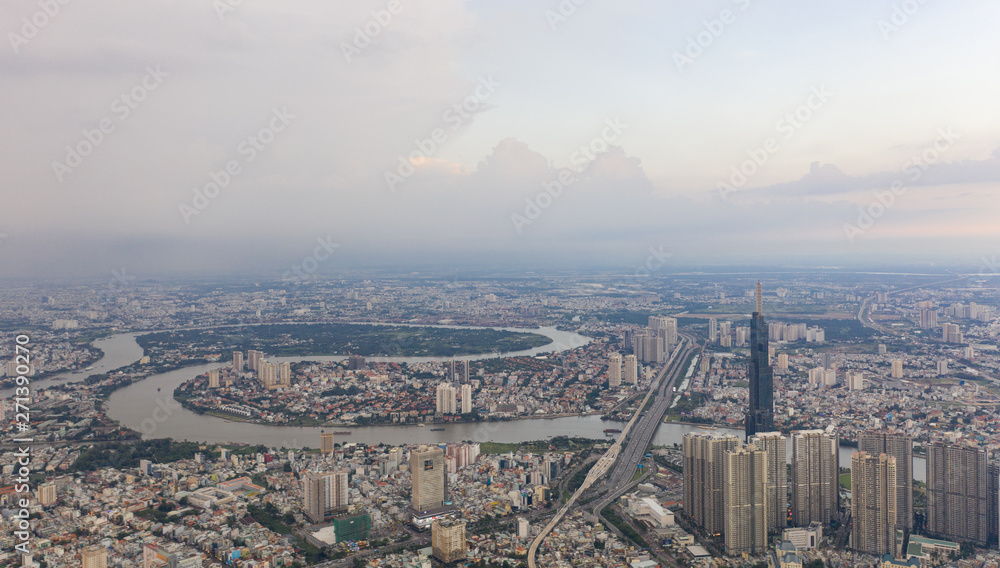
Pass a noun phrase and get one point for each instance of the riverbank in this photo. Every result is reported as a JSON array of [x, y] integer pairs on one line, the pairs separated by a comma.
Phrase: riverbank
[[188, 405]]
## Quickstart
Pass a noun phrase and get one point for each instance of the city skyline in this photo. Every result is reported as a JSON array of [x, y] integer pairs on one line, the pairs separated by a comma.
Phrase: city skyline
[[303, 414], [516, 284]]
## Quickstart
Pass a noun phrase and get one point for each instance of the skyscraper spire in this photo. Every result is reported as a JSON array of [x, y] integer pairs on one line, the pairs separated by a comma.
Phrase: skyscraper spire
[[760, 300], [760, 414]]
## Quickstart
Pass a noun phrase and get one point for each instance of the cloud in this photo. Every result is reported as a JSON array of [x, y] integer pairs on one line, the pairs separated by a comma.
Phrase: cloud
[[829, 180]]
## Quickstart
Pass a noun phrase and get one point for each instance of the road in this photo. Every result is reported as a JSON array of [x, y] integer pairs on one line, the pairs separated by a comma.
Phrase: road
[[650, 420], [636, 447], [866, 320]]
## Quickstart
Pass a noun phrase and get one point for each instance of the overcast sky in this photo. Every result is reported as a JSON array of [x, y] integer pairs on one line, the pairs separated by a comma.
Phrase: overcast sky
[[426, 132]]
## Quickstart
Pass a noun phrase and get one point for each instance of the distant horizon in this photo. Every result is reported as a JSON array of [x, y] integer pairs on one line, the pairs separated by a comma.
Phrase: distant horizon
[[769, 272]]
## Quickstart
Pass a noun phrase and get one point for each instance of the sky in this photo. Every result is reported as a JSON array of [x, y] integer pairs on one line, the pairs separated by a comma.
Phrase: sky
[[226, 136]]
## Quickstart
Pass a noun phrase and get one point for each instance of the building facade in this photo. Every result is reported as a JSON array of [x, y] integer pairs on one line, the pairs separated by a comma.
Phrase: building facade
[[760, 416], [448, 540], [957, 493], [777, 478], [94, 557], [900, 446], [704, 476], [746, 500], [428, 477], [815, 477], [873, 503]]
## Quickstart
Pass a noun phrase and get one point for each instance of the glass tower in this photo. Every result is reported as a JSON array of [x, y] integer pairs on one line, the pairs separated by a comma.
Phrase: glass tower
[[760, 417]]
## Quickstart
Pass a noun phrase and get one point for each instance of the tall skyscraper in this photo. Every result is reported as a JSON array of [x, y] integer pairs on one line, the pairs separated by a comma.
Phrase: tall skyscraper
[[760, 417], [465, 371], [746, 497], [777, 478], [339, 496], [446, 403], [647, 347], [326, 444], [873, 503], [448, 540], [899, 446], [267, 374], [713, 329], [94, 557], [665, 328], [356, 362], [993, 507], [951, 333], [957, 499], [254, 358], [614, 370], [466, 399], [47, 494], [704, 478], [815, 477], [928, 319], [631, 370], [314, 496], [897, 369], [324, 494], [394, 460], [238, 361], [427, 477], [213, 379]]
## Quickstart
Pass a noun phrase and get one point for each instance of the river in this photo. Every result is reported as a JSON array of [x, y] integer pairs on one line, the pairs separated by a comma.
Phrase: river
[[148, 406], [119, 350]]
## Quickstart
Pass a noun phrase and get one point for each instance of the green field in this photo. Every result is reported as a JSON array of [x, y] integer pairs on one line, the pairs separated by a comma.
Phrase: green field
[[497, 447], [342, 339], [845, 480]]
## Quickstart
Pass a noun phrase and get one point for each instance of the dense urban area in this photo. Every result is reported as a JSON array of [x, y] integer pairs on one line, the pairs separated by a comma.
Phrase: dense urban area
[[818, 418]]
